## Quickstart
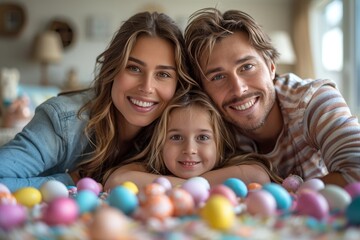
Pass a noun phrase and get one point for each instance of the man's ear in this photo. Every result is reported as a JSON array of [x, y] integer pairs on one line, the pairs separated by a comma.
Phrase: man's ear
[[272, 69]]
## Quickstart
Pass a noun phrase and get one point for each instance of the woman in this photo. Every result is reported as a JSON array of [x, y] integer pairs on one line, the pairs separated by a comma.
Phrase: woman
[[85, 133]]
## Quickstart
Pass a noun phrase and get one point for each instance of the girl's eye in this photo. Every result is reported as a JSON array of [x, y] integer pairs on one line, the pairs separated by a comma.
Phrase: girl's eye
[[133, 68], [176, 138], [203, 137]]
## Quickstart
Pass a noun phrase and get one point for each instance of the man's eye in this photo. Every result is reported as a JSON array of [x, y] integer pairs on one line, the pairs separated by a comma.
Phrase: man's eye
[[247, 67], [218, 77]]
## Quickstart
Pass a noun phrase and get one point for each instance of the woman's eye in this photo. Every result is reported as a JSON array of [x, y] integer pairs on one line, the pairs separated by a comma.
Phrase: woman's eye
[[176, 137], [133, 68], [164, 75]]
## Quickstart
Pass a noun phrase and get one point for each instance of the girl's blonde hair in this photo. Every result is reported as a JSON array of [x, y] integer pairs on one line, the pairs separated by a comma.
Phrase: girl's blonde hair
[[102, 129]]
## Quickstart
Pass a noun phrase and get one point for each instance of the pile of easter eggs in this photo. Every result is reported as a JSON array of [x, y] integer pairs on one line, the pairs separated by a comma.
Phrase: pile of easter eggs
[[218, 206]]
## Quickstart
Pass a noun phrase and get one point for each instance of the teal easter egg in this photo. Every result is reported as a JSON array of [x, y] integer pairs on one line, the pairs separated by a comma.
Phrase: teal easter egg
[[352, 212], [238, 186], [123, 199], [281, 195], [87, 201]]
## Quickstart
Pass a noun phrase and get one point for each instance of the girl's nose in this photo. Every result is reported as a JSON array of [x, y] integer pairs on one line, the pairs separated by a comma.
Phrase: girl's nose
[[190, 148]]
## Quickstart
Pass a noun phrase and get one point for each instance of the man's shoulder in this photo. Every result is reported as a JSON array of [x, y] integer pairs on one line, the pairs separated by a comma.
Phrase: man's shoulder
[[292, 83]]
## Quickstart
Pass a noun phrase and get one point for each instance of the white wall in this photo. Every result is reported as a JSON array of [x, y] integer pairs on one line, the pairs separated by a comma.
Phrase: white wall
[[14, 52]]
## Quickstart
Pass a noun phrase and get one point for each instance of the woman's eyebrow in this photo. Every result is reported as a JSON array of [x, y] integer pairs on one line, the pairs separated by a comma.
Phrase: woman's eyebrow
[[158, 67]]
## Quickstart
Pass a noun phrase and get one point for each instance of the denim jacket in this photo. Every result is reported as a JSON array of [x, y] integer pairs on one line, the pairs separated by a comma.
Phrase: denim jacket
[[49, 146]]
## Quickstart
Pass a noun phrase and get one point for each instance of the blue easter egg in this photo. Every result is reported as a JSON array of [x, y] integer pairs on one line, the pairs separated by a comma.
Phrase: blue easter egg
[[123, 199], [353, 211], [87, 201], [281, 195], [238, 186]]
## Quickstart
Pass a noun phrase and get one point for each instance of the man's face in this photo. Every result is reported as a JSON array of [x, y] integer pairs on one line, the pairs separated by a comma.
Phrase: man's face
[[239, 81]]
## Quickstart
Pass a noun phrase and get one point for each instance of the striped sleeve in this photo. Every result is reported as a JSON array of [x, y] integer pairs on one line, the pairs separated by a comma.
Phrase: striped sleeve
[[334, 132]]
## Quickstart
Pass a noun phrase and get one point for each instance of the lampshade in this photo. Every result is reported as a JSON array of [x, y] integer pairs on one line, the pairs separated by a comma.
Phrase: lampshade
[[48, 47], [282, 42]]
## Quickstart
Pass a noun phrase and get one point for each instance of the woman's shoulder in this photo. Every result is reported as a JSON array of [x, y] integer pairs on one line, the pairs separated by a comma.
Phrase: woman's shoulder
[[68, 102]]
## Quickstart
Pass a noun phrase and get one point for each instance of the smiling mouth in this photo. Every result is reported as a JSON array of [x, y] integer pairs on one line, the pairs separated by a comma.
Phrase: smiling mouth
[[189, 164], [244, 106], [141, 103]]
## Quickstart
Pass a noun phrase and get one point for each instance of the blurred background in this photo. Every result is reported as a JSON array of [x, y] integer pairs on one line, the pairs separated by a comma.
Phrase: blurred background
[[317, 38]]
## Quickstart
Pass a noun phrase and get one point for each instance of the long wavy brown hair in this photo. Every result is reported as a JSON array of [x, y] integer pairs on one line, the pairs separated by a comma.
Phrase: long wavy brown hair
[[209, 25], [102, 126]]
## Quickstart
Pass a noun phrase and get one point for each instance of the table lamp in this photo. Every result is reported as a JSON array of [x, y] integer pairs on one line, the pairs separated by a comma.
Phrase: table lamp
[[282, 42], [48, 49]]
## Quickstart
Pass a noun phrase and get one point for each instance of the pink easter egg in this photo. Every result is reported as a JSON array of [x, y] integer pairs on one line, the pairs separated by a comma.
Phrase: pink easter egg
[[353, 189], [198, 190], [226, 192], [261, 203], [163, 181], [182, 201], [61, 211], [313, 184], [12, 216], [292, 183], [88, 184], [312, 203]]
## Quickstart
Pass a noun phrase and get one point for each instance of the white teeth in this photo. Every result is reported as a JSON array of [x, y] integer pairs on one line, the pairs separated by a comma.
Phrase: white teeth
[[189, 163], [246, 105], [141, 103]]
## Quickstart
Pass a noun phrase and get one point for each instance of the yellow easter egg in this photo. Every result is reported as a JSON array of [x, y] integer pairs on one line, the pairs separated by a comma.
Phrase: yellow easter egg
[[131, 186], [218, 213], [28, 196]]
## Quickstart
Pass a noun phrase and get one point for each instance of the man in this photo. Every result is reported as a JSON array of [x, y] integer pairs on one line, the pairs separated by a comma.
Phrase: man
[[303, 127]]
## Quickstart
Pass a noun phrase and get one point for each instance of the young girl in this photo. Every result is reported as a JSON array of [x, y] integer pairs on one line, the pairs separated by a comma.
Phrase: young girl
[[85, 133], [190, 139]]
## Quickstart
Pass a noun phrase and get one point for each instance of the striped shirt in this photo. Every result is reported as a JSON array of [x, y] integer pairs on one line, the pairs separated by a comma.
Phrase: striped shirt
[[319, 136]]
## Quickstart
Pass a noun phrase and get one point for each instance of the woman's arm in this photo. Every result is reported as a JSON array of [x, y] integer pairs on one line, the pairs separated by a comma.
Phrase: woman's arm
[[136, 173]]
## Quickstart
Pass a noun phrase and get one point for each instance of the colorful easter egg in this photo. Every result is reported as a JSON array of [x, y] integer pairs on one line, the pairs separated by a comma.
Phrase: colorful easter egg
[[88, 184], [87, 201], [11, 216], [352, 211], [261, 203], [353, 189], [312, 203], [254, 186], [28, 196], [337, 197], [218, 213], [7, 198], [4, 188], [53, 189], [61, 211], [226, 192], [131, 186], [182, 201], [197, 189], [158, 206], [123, 199], [238, 186], [150, 189], [292, 183], [313, 184], [108, 223], [281, 195], [163, 181]]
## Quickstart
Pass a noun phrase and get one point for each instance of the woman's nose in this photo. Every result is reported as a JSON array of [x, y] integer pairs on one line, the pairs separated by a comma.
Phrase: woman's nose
[[146, 86]]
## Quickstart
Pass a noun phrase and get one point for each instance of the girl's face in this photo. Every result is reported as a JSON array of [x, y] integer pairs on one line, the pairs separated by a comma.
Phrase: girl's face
[[190, 148], [142, 90]]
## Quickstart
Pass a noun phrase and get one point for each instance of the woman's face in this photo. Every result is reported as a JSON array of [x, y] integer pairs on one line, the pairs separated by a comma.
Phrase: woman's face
[[142, 90], [190, 146]]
